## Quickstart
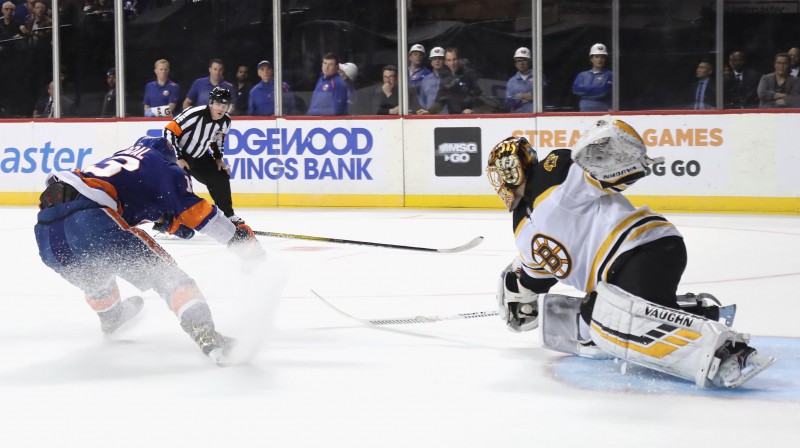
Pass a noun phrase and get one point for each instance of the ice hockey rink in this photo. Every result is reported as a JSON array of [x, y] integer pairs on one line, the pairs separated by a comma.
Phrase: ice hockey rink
[[317, 378]]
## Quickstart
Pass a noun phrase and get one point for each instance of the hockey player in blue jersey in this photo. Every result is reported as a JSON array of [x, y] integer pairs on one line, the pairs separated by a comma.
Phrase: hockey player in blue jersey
[[86, 232]]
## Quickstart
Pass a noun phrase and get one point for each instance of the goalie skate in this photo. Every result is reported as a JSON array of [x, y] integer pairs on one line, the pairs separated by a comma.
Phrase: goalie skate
[[129, 308], [739, 365]]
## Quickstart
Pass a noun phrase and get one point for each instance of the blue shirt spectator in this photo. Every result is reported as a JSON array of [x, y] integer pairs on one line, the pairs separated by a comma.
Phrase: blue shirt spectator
[[161, 95], [593, 87], [198, 93], [330, 94], [429, 87], [416, 72], [262, 95], [519, 88]]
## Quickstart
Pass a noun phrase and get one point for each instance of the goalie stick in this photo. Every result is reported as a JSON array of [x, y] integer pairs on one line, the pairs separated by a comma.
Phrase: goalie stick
[[408, 320], [464, 247]]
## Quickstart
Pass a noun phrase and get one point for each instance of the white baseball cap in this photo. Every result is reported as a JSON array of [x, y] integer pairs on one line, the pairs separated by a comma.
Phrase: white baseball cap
[[598, 49], [350, 70], [417, 47], [523, 52], [437, 52]]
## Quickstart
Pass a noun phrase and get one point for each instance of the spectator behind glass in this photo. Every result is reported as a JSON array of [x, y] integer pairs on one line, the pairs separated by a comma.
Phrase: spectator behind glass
[[740, 84], [794, 59], [458, 86], [37, 22], [198, 93], [348, 71], [519, 88], [241, 93], [416, 73], [24, 9], [10, 27], [429, 87], [330, 93], [109, 109], [261, 99], [385, 98], [161, 95], [593, 86], [702, 93], [779, 89], [44, 107]]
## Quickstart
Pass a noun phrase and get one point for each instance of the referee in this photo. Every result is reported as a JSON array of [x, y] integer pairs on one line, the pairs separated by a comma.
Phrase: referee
[[198, 136]]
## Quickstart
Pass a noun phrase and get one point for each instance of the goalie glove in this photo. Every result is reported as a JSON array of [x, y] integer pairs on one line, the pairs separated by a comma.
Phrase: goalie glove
[[612, 152], [517, 305]]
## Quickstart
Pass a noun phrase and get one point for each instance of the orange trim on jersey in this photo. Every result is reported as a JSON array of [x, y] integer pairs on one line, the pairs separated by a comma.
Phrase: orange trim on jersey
[[98, 184], [100, 304], [183, 295], [144, 236], [175, 128], [192, 216]]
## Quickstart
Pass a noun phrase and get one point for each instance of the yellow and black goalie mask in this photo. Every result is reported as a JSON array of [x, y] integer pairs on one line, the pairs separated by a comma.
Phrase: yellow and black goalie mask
[[509, 164]]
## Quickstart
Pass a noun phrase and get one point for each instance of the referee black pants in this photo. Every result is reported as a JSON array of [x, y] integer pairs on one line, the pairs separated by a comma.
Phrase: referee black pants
[[205, 170]]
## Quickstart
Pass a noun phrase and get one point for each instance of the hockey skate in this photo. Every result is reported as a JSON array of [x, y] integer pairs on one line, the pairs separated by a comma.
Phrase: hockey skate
[[738, 364], [237, 221], [213, 344], [111, 320]]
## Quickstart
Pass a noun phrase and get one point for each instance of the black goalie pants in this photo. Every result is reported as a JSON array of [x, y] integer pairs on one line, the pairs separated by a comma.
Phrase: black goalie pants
[[204, 169]]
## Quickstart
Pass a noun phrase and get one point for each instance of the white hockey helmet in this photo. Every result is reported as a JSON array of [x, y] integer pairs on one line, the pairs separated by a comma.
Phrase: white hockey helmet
[[510, 163], [437, 52], [523, 52], [598, 48], [350, 70]]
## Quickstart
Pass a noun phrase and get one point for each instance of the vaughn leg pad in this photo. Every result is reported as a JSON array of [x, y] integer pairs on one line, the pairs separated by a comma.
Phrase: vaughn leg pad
[[663, 339]]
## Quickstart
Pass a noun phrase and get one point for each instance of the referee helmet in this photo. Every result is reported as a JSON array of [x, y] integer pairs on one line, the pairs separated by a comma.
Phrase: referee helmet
[[219, 95]]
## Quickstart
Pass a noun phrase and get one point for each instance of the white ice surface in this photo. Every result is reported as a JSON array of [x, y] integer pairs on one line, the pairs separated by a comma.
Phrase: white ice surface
[[321, 379]]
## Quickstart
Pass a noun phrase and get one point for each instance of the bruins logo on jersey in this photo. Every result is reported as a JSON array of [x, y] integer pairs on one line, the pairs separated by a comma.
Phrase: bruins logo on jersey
[[551, 256], [550, 162]]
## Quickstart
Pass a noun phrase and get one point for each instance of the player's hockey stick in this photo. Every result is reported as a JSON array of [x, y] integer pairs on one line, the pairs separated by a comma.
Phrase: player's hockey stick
[[408, 320], [474, 242]]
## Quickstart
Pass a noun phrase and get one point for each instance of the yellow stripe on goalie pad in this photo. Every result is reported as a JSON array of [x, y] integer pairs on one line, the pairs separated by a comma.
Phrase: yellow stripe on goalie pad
[[658, 350]]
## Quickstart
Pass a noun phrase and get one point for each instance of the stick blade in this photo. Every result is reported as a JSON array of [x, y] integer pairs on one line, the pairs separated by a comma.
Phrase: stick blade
[[464, 247]]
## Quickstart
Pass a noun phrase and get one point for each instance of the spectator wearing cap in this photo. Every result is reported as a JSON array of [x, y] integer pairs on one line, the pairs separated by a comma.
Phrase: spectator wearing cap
[[593, 86], [198, 92], [109, 108], [348, 71], [261, 99], [417, 71], [330, 93], [429, 87], [519, 88], [161, 95]]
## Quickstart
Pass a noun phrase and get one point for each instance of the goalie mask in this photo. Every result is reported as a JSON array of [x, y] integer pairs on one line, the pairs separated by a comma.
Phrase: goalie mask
[[510, 163]]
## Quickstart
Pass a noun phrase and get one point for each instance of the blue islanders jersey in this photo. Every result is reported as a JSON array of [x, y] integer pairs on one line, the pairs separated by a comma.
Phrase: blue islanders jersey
[[146, 186]]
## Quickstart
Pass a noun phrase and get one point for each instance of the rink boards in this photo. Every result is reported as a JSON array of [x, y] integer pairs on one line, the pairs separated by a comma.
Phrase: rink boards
[[713, 162]]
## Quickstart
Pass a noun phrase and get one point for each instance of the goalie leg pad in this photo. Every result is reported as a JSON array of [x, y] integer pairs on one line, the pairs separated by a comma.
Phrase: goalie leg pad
[[659, 338], [560, 324]]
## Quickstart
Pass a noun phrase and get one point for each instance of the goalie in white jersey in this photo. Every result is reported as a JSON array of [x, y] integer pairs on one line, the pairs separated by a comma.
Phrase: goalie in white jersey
[[572, 225]]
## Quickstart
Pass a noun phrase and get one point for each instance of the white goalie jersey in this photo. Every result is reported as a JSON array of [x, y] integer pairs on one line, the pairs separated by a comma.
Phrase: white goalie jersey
[[575, 226]]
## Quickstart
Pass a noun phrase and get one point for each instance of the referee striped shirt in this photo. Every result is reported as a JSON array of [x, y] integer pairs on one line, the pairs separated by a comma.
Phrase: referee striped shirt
[[194, 133]]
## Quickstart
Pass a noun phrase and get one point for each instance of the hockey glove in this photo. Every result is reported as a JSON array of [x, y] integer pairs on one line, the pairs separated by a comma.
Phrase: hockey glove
[[517, 305], [245, 244], [164, 224]]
